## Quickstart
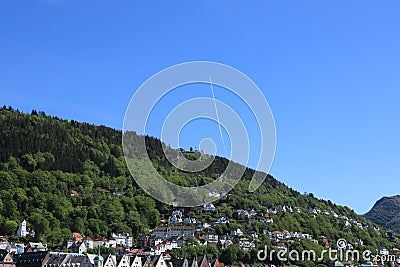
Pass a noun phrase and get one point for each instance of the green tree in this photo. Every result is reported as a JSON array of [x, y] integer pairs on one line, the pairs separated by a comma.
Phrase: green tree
[[9, 228]]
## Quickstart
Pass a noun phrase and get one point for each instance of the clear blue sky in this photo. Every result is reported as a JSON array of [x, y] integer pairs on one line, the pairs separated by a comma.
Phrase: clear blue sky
[[329, 70]]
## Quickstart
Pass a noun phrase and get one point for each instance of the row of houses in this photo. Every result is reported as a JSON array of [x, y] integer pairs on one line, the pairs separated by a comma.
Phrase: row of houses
[[19, 248], [280, 235], [348, 221], [55, 259], [80, 243]]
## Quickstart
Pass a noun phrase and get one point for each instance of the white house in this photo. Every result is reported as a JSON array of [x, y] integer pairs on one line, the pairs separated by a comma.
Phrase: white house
[[175, 219], [123, 261], [277, 235], [211, 238], [138, 261], [254, 234], [222, 220], [88, 242], [110, 243], [110, 261], [36, 246], [124, 239], [209, 207], [177, 213], [237, 232], [3, 243], [268, 219], [22, 231], [17, 248], [383, 251], [163, 246], [295, 234], [246, 244]]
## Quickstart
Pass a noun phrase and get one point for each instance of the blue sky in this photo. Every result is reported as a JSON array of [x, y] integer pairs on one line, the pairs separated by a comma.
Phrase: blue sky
[[329, 70]]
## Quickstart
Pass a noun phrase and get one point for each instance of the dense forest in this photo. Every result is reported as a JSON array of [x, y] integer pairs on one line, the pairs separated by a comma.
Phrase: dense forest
[[66, 176]]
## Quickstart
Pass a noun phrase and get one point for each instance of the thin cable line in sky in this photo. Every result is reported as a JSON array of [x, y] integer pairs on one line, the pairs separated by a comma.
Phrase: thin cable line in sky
[[216, 113]]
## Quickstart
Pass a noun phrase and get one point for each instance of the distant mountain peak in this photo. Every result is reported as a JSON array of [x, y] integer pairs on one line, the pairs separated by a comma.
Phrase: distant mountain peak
[[386, 212]]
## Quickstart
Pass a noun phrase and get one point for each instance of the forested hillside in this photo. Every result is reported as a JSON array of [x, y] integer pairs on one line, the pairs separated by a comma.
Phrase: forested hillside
[[386, 212], [64, 176]]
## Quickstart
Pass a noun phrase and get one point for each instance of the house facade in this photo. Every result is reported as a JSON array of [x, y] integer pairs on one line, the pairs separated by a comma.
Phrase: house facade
[[22, 229], [6, 259], [173, 231]]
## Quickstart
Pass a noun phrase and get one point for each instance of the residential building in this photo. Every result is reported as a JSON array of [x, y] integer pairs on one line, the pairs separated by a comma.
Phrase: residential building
[[209, 207], [124, 239], [277, 235], [32, 259], [79, 247], [3, 243], [6, 259], [77, 237], [22, 229], [138, 261], [123, 261], [237, 232], [223, 219], [173, 231], [268, 218], [189, 220], [161, 246], [110, 260], [176, 217], [279, 245], [36, 247], [98, 242], [16, 248], [89, 242], [246, 244], [211, 238]]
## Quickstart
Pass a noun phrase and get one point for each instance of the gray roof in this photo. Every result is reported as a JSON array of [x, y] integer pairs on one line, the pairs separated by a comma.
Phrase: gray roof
[[200, 260], [31, 258], [154, 259], [178, 262], [56, 259]]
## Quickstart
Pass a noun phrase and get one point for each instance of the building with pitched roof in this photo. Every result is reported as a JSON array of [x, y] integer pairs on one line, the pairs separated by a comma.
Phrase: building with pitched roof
[[6, 259], [32, 259], [173, 231]]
